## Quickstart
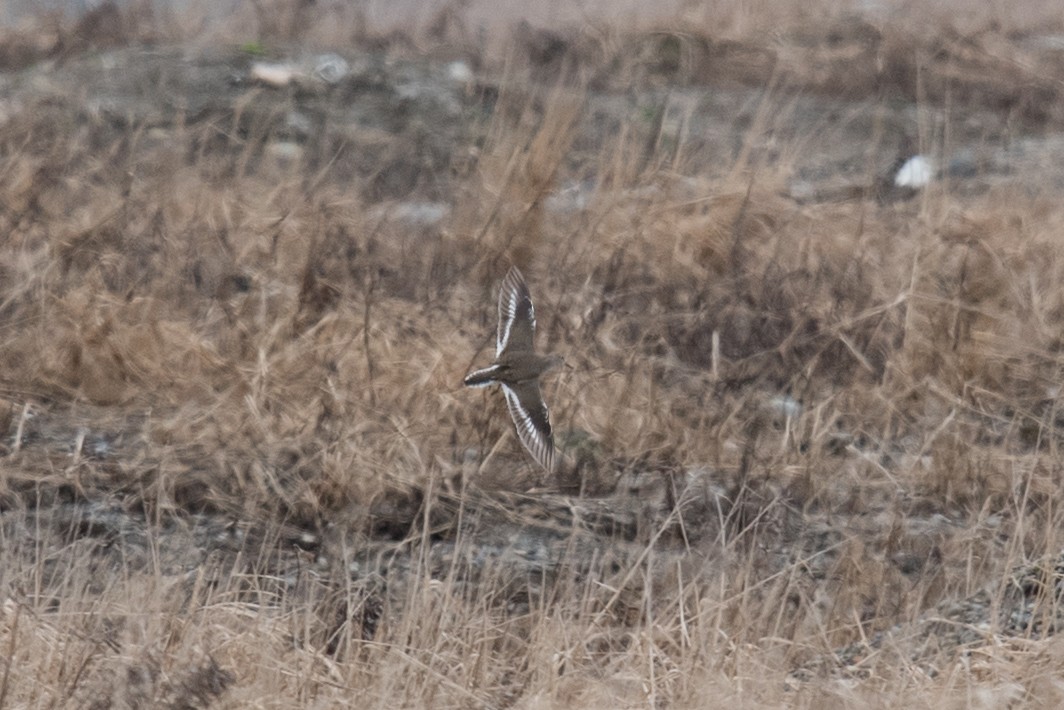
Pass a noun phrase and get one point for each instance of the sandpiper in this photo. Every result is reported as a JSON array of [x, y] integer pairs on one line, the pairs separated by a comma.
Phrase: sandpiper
[[517, 368]]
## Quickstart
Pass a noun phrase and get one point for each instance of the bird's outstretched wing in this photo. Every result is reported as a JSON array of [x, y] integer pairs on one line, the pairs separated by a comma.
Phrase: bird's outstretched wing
[[517, 317]]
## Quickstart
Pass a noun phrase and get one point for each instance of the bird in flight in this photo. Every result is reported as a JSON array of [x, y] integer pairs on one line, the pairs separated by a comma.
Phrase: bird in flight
[[517, 369]]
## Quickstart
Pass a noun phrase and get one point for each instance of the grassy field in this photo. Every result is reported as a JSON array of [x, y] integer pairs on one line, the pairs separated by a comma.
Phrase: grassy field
[[808, 418]]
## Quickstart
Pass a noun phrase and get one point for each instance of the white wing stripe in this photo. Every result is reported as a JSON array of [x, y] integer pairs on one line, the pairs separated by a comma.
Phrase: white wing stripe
[[511, 316], [530, 436]]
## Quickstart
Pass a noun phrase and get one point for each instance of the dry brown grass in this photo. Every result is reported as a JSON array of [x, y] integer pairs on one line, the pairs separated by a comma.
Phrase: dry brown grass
[[238, 468]]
